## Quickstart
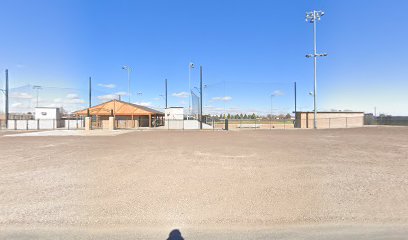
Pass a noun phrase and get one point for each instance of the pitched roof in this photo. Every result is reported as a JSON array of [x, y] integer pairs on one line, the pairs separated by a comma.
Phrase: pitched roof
[[120, 108]]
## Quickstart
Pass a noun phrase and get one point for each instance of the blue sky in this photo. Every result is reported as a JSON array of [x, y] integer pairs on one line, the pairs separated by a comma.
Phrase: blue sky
[[248, 50]]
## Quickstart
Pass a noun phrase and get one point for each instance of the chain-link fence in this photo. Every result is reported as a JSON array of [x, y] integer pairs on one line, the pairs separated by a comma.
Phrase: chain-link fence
[[369, 119]]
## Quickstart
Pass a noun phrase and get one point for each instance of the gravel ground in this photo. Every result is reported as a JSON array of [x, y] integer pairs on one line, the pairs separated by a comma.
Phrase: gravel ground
[[211, 185]]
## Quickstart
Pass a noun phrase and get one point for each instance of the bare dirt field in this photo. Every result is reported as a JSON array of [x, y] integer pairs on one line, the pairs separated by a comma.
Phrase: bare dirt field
[[260, 184]]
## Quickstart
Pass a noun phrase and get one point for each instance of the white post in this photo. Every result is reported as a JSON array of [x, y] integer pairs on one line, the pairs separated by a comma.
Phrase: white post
[[111, 123]]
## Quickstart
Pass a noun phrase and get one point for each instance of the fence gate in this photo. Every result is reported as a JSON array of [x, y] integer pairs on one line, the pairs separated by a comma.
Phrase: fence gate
[[96, 122]]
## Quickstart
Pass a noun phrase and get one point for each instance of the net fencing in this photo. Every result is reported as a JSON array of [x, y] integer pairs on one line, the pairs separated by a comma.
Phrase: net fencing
[[195, 106], [249, 100], [24, 99]]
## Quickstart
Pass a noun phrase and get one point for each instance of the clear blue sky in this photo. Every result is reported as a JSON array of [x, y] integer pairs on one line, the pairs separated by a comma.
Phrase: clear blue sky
[[248, 50]]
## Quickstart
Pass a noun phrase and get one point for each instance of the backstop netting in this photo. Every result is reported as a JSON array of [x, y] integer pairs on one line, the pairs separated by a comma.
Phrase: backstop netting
[[24, 99], [195, 105]]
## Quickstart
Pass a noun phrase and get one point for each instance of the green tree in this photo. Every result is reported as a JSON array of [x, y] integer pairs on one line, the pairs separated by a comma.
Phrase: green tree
[[253, 116], [241, 116], [288, 116], [229, 116], [245, 116]]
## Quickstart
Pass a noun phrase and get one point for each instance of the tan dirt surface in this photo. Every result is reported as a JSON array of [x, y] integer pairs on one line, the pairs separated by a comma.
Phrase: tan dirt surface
[[244, 183]]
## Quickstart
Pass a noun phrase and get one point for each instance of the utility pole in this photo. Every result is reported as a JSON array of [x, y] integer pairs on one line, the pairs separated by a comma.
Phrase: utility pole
[[6, 93], [295, 99], [165, 92], [313, 17], [89, 96], [90, 92], [201, 97], [271, 106]]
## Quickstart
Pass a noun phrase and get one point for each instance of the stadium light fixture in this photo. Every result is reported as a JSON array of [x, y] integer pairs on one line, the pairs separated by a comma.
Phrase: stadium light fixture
[[313, 17]]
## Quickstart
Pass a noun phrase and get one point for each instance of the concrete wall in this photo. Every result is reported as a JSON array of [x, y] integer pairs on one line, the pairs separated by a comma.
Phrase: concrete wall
[[174, 113], [73, 124], [44, 124], [185, 124], [47, 113], [330, 119]]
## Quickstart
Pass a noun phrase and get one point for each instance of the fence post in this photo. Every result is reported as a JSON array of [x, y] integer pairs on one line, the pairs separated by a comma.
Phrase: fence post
[[15, 124], [226, 124], [213, 123], [26, 124]]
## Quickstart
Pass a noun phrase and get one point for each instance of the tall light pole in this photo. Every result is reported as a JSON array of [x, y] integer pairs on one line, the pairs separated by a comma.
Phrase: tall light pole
[[128, 69], [190, 67], [313, 17], [6, 95], [37, 88], [272, 95]]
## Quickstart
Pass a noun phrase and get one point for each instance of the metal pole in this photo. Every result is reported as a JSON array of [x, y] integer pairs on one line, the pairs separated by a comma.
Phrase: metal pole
[[315, 69], [89, 96], [7, 99], [90, 92], [129, 82], [165, 87], [271, 106], [189, 89], [295, 99], [201, 97]]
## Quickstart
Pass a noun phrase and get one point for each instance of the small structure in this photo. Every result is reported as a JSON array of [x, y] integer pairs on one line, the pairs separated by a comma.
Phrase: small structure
[[174, 113], [47, 113], [127, 115], [174, 118], [329, 119]]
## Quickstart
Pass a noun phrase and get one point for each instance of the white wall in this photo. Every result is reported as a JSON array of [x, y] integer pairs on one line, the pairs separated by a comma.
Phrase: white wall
[[47, 113], [44, 124], [174, 113]]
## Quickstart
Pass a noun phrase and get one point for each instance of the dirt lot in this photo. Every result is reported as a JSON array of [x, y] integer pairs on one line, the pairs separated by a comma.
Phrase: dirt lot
[[239, 184]]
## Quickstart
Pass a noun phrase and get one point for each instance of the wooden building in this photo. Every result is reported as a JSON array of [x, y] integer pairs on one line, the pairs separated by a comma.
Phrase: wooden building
[[127, 115]]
